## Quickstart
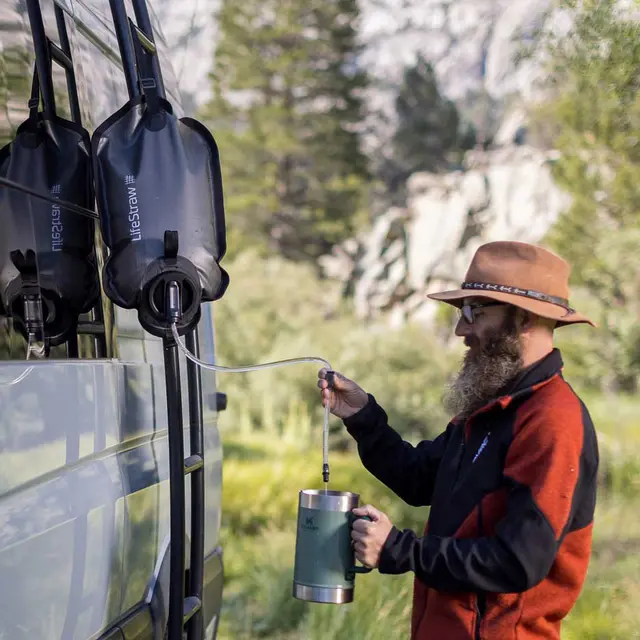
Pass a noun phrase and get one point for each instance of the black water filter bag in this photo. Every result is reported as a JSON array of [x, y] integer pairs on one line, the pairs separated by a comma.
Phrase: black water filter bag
[[44, 248], [156, 173]]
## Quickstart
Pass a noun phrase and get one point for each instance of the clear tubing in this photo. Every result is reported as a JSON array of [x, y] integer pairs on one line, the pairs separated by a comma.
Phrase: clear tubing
[[19, 379], [267, 365]]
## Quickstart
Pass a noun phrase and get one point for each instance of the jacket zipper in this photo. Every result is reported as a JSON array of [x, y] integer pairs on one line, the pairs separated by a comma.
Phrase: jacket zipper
[[481, 607], [481, 596], [463, 449]]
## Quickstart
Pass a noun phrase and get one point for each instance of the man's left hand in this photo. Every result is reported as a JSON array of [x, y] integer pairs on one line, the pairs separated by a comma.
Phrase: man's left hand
[[369, 537]]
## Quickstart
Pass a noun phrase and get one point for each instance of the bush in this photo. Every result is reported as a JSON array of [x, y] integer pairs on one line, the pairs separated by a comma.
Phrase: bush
[[259, 321], [262, 476], [273, 483]]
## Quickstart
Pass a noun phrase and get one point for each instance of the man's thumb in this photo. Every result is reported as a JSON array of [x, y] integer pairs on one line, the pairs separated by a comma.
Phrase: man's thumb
[[367, 510], [337, 381]]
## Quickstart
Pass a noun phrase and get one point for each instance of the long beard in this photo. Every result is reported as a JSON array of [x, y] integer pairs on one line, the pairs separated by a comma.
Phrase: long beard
[[485, 373]]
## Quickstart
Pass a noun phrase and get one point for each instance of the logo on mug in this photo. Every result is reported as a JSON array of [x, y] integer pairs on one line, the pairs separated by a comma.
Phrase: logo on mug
[[309, 524]]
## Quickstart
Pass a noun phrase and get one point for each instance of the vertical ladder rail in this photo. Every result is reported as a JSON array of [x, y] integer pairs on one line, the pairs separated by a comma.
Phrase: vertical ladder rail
[[41, 49], [182, 610], [121, 24], [96, 314], [195, 629], [46, 52], [72, 88], [176, 488], [144, 24]]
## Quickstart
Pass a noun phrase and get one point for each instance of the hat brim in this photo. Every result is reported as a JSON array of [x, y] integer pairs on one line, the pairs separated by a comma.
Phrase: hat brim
[[540, 308]]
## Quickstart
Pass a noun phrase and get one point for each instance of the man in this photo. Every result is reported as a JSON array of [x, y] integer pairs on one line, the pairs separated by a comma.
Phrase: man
[[511, 481]]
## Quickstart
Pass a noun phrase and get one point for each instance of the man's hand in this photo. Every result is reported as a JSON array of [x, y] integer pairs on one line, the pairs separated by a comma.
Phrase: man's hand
[[345, 398], [369, 537]]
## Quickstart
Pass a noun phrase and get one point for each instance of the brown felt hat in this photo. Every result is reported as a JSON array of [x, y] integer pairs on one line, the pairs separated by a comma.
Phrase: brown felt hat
[[520, 274]]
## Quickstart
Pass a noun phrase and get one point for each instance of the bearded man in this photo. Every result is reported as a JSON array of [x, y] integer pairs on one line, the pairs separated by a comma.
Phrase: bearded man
[[511, 481]]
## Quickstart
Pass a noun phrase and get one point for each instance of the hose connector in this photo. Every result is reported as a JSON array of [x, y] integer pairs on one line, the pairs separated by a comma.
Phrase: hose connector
[[174, 304]]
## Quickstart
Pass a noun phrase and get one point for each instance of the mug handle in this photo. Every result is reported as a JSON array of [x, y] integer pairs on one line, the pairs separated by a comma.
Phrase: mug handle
[[358, 569]]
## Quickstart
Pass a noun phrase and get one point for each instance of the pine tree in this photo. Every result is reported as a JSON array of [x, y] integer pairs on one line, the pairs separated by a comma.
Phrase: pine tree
[[594, 121], [429, 134], [428, 123], [286, 111]]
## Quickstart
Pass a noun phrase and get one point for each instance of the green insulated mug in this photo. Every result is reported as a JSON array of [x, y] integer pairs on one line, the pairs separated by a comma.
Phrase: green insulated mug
[[324, 569]]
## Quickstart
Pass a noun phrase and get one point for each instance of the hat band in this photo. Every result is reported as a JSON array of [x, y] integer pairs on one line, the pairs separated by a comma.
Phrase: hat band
[[516, 291]]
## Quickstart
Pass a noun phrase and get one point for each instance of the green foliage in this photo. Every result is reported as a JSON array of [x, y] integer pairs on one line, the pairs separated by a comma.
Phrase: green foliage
[[272, 470], [262, 476], [258, 601], [276, 309], [428, 123], [286, 110], [430, 135], [594, 121], [15, 89]]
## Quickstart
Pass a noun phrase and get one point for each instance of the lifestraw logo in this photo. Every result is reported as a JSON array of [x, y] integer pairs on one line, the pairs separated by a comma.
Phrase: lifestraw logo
[[57, 228], [135, 232]]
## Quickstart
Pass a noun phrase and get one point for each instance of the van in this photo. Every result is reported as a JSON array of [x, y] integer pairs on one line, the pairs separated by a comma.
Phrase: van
[[84, 457]]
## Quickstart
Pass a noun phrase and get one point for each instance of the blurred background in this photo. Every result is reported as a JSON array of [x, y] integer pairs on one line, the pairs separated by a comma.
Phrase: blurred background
[[368, 148]]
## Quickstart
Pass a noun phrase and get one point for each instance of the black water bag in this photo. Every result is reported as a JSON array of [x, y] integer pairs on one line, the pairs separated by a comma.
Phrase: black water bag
[[47, 258], [156, 174]]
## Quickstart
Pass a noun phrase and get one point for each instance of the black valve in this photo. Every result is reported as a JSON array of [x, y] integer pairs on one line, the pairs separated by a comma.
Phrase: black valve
[[171, 293]]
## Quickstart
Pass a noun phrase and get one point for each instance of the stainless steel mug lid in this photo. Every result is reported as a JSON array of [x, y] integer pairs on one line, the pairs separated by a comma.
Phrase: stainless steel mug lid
[[328, 500]]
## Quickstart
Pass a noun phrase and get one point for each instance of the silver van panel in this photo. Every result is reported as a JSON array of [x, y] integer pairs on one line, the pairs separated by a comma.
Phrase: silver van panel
[[84, 495]]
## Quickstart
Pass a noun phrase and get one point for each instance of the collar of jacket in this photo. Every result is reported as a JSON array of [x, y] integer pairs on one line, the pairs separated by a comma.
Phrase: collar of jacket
[[528, 380]]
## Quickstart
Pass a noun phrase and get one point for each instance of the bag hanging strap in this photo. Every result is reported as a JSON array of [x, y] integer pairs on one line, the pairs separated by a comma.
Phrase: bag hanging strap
[[144, 50], [34, 100], [36, 94]]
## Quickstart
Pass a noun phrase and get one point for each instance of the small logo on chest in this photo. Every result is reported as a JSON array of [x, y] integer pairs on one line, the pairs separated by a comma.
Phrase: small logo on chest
[[483, 444]]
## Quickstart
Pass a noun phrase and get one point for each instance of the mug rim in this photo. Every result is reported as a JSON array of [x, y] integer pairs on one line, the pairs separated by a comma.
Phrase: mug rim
[[329, 493], [328, 501]]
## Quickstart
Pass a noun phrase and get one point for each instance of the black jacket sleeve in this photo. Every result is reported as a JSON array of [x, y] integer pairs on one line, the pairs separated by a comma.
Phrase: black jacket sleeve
[[541, 470], [517, 558], [408, 471]]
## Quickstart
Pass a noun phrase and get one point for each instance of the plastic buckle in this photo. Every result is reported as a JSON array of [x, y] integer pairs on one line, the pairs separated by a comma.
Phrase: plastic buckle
[[148, 83]]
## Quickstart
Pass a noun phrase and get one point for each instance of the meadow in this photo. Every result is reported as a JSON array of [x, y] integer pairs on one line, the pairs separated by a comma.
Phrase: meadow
[[265, 468]]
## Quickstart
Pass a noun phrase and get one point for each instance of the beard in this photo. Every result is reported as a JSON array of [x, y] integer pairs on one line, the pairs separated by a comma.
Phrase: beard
[[485, 372]]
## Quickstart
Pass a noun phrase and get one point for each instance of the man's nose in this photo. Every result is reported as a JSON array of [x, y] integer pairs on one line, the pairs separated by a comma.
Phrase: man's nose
[[463, 328]]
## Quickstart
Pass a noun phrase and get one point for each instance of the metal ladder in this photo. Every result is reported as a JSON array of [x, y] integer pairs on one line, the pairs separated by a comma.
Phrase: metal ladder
[[47, 51], [184, 610], [136, 42]]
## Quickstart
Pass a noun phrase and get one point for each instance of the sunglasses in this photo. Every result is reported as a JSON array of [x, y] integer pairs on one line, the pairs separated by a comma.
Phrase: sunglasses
[[467, 311]]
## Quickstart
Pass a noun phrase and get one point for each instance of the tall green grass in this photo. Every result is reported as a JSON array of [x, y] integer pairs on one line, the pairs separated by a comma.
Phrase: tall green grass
[[263, 472], [272, 448]]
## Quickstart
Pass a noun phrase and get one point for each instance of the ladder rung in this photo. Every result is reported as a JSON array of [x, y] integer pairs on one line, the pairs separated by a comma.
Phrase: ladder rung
[[193, 463], [90, 328], [191, 606]]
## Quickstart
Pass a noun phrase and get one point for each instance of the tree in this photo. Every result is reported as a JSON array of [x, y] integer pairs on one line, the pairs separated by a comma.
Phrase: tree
[[429, 133], [594, 120], [286, 110]]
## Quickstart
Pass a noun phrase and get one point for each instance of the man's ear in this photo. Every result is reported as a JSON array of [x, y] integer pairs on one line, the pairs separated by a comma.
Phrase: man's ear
[[531, 320], [526, 320]]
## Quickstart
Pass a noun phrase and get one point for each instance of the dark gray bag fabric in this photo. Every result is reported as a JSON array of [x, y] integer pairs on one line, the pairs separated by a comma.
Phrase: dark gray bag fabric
[[155, 173], [44, 248]]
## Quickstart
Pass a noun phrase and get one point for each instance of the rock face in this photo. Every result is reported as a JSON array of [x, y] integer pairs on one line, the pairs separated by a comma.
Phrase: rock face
[[473, 44], [189, 28], [504, 194]]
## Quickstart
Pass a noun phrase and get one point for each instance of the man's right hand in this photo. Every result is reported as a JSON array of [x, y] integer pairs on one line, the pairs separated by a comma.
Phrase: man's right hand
[[345, 398]]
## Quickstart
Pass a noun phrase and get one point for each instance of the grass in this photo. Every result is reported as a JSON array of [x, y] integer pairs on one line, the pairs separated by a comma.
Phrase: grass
[[264, 471]]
